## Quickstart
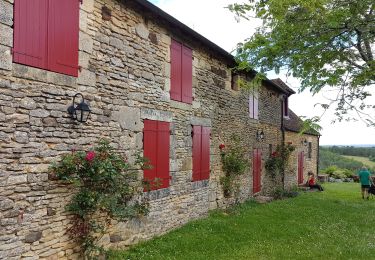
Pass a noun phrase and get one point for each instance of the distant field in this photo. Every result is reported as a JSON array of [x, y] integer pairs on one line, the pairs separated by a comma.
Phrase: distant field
[[363, 160]]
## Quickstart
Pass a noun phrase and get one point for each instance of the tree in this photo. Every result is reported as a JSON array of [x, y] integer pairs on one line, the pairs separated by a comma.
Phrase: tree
[[324, 43]]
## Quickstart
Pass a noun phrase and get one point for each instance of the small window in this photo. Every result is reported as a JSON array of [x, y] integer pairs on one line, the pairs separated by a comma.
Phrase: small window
[[269, 150], [201, 153], [46, 35], [253, 104], [156, 150], [309, 152], [235, 82], [181, 73]]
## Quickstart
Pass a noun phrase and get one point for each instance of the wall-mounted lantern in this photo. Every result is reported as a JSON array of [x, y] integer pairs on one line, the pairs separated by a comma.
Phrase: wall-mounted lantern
[[304, 142], [259, 135], [80, 111]]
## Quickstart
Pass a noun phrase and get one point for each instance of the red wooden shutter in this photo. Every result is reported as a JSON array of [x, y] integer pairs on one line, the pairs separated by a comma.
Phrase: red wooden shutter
[[205, 161], [176, 70], [300, 167], [163, 154], [197, 152], [257, 169], [63, 30], [251, 106], [150, 144], [187, 75], [256, 104], [30, 32]]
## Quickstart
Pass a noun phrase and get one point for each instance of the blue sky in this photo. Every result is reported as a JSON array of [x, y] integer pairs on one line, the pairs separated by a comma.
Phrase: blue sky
[[216, 23]]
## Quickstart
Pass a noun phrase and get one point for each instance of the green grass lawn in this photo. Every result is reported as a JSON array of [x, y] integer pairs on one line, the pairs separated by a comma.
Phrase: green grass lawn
[[334, 224], [363, 160]]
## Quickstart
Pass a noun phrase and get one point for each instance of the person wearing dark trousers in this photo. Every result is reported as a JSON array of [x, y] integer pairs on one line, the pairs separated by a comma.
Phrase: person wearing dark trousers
[[365, 180], [311, 182]]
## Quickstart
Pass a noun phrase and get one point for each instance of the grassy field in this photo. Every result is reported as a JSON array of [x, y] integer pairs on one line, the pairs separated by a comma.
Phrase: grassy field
[[334, 224], [363, 160]]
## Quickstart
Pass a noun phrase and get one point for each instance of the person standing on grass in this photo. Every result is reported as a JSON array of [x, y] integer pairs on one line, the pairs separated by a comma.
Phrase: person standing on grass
[[311, 182], [365, 180]]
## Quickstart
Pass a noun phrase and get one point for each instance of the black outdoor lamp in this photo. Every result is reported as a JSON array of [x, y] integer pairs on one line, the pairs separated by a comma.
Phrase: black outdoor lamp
[[304, 142], [81, 111], [260, 135]]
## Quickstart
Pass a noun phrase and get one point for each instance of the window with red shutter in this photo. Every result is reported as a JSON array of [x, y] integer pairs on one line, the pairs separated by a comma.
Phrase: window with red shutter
[[156, 150], [63, 30], [181, 72], [201, 153], [46, 34], [30, 33]]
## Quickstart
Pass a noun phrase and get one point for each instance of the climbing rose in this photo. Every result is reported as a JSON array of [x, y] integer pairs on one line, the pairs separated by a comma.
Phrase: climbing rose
[[90, 156], [221, 146], [275, 154]]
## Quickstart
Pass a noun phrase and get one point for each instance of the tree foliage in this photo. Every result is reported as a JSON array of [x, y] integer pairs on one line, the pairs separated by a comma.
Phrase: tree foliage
[[325, 43]]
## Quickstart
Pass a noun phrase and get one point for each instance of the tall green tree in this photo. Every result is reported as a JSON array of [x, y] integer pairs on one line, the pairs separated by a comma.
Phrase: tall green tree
[[324, 43]]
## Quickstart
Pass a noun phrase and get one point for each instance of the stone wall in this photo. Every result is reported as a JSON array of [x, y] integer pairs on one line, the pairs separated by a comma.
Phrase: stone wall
[[125, 76], [310, 164]]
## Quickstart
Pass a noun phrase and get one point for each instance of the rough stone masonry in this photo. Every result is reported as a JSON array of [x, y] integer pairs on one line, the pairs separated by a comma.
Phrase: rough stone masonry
[[124, 57]]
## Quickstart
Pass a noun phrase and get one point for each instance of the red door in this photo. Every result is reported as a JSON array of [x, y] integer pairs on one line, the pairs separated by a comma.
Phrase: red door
[[257, 170], [301, 158]]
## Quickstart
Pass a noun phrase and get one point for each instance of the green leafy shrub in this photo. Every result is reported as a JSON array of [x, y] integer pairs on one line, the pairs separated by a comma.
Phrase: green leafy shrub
[[275, 165], [280, 193], [338, 173], [107, 187], [234, 163]]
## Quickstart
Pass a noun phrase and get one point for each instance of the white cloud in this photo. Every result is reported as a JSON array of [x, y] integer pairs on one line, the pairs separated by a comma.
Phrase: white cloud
[[216, 23]]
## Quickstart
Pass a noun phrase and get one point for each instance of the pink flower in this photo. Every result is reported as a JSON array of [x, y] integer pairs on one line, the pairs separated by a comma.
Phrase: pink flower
[[90, 156], [275, 154], [221, 146]]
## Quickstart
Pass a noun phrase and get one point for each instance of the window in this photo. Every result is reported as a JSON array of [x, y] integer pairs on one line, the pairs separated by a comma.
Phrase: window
[[309, 151], [156, 150], [181, 72], [235, 83], [201, 153], [253, 104], [270, 150], [46, 35], [285, 107]]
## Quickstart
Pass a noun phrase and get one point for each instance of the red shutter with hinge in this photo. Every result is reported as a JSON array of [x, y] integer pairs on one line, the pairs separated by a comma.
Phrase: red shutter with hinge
[[176, 70], [30, 32], [150, 145], [197, 152], [63, 33], [163, 154], [187, 75], [205, 162], [301, 159]]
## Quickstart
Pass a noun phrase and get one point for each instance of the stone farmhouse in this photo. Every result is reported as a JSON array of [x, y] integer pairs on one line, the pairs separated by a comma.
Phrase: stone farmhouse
[[153, 85]]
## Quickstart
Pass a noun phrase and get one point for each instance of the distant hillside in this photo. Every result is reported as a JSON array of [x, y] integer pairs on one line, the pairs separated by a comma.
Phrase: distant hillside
[[352, 150], [364, 160], [328, 158]]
